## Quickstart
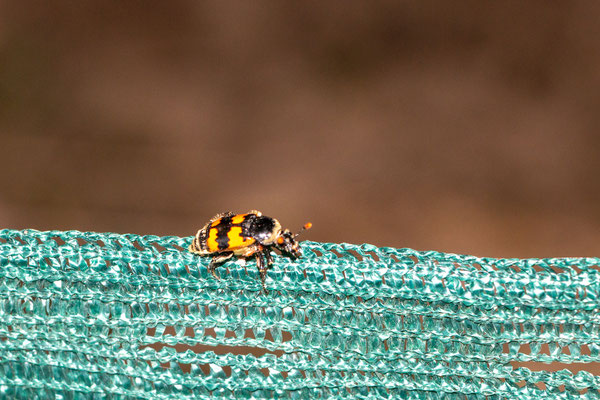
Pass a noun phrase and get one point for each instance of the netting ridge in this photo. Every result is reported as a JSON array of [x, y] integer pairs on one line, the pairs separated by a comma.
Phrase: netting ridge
[[410, 274]]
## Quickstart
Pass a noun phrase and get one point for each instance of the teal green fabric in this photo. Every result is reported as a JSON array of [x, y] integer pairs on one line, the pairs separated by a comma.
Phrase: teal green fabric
[[104, 315]]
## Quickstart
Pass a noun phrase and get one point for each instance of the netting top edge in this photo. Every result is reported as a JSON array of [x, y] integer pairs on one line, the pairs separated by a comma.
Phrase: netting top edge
[[361, 249]]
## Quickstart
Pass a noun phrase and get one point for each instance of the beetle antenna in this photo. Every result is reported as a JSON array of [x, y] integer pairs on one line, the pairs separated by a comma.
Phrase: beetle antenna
[[306, 227]]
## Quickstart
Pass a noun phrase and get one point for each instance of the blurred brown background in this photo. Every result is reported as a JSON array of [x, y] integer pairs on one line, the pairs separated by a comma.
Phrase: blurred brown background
[[464, 126]]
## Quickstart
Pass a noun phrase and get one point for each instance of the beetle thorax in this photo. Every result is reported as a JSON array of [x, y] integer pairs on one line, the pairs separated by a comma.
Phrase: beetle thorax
[[264, 229]]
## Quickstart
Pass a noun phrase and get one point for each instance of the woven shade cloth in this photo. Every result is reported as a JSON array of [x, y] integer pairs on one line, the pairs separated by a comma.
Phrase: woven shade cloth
[[104, 315]]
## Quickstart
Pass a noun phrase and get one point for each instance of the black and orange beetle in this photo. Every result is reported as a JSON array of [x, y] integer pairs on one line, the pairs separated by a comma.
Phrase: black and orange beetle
[[244, 235]]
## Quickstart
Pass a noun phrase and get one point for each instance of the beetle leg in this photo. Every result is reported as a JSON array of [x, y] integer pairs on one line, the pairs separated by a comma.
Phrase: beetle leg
[[219, 259], [268, 256], [262, 268]]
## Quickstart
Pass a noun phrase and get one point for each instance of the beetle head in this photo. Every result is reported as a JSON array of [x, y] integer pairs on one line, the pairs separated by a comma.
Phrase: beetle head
[[286, 241]]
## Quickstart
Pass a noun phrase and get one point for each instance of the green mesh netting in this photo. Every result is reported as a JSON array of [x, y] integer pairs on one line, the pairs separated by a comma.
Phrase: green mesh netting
[[90, 315]]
